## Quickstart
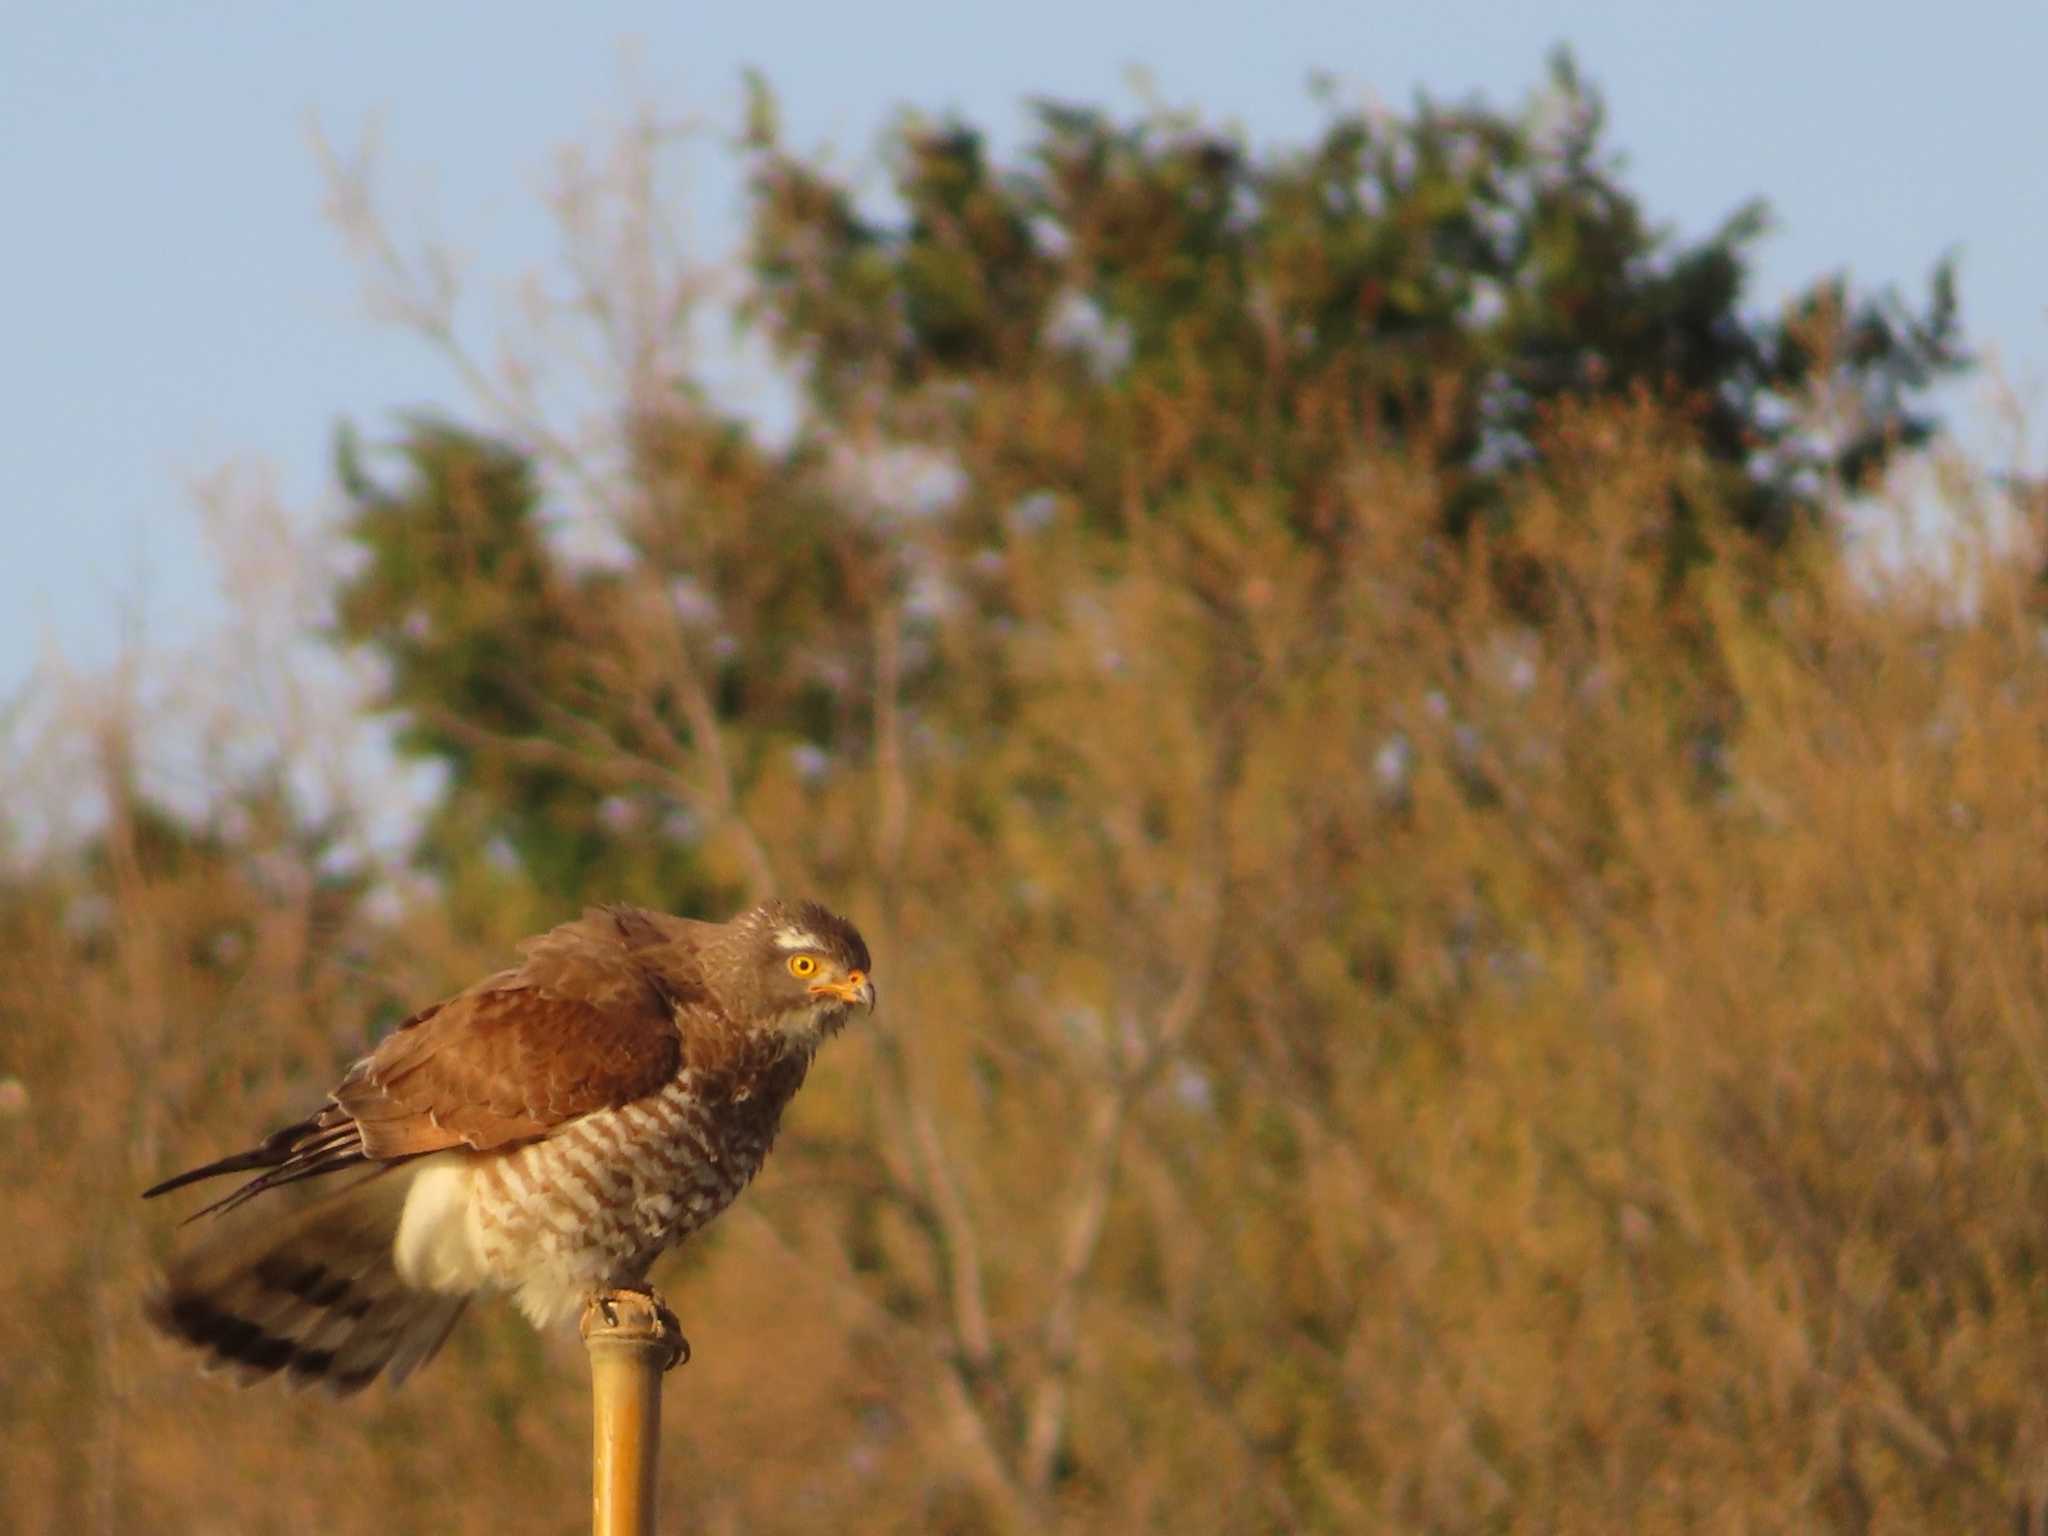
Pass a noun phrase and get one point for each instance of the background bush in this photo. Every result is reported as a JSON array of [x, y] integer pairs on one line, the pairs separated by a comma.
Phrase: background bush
[[1451, 960]]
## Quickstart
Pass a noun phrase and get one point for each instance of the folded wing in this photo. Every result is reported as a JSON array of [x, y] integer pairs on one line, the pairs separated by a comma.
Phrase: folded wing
[[589, 1020]]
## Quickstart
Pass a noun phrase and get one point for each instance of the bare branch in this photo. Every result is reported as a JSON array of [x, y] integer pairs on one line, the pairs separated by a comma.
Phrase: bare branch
[[1083, 1237]]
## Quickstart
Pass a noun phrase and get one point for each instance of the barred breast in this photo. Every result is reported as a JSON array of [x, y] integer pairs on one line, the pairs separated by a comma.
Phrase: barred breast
[[594, 1203]]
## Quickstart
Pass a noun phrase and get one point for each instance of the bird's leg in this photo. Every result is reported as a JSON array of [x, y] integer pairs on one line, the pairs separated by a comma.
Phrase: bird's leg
[[639, 1312]]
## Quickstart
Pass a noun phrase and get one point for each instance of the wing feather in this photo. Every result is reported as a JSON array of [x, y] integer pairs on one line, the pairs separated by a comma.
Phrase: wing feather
[[592, 1018], [583, 1023]]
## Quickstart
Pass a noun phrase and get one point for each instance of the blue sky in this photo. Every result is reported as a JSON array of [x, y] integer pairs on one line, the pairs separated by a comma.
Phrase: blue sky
[[172, 299]]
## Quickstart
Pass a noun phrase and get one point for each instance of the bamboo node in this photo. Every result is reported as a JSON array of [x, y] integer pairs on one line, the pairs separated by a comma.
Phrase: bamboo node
[[637, 1318]]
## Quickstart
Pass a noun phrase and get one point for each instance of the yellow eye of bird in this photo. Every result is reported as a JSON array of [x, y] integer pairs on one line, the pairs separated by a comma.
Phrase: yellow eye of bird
[[803, 965]]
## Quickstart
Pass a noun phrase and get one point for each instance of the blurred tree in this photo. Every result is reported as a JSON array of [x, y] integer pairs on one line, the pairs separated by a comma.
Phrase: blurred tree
[[1135, 321], [493, 650], [1267, 645], [1441, 281]]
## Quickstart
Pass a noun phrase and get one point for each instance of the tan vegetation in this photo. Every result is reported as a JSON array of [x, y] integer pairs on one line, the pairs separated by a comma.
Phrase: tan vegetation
[[1387, 1023]]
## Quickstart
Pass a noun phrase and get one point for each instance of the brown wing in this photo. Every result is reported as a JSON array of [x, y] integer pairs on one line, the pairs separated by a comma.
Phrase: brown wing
[[589, 1020], [583, 1024]]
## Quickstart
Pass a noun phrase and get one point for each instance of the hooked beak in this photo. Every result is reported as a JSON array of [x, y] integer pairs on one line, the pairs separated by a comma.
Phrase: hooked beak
[[854, 990]]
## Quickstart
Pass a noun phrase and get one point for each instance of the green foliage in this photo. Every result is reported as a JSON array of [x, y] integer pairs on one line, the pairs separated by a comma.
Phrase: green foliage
[[478, 625], [1442, 281]]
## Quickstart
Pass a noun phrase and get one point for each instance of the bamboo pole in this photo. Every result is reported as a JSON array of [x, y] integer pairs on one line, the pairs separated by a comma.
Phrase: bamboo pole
[[632, 1339]]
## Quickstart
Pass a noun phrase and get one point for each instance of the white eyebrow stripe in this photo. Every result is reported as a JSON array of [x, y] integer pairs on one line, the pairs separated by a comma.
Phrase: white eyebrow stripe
[[797, 938]]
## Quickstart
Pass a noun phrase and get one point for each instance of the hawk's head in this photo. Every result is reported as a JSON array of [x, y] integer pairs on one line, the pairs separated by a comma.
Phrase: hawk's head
[[800, 967]]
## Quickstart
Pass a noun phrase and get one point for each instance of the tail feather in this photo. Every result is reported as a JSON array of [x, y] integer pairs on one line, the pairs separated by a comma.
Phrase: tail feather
[[317, 1296], [422, 1341]]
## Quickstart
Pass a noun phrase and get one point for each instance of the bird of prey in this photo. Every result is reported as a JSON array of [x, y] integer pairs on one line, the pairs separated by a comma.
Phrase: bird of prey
[[545, 1133]]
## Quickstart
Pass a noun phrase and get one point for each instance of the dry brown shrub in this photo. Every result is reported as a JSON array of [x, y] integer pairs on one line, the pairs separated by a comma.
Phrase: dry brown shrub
[[1380, 1031]]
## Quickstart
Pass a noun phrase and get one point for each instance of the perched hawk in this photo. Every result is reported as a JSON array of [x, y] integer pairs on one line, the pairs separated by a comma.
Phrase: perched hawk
[[546, 1133]]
